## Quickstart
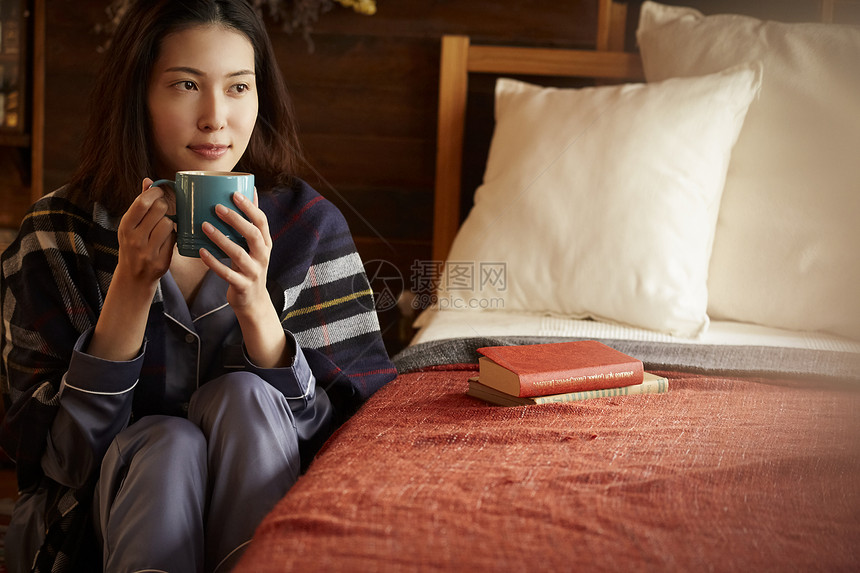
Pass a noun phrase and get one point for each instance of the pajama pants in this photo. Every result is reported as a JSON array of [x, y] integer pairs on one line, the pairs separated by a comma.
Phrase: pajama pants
[[185, 495]]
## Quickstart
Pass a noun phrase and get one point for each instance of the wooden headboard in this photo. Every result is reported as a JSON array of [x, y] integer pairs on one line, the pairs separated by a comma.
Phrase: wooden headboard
[[460, 58]]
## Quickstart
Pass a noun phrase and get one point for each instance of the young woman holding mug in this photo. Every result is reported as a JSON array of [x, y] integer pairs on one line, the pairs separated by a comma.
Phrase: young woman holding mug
[[159, 405]]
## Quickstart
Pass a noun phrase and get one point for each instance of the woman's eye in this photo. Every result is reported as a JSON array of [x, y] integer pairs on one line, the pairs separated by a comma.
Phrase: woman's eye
[[241, 88], [186, 85]]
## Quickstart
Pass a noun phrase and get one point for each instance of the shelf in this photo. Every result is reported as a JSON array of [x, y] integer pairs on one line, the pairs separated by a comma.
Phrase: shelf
[[14, 139], [22, 64]]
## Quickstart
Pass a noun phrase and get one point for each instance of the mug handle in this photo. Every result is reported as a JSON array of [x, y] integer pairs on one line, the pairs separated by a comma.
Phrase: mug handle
[[172, 185]]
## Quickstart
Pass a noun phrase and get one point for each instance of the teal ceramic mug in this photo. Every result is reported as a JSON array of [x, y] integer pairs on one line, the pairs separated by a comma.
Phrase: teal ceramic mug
[[197, 194]]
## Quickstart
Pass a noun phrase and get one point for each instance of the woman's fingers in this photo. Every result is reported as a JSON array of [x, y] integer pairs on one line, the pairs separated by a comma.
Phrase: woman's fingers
[[255, 229], [147, 208], [164, 235], [247, 273], [146, 236], [225, 272], [156, 214], [255, 215], [230, 247]]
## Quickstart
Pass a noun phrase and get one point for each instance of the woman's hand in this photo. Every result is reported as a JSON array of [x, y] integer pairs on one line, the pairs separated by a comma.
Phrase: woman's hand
[[247, 277], [146, 240], [262, 332]]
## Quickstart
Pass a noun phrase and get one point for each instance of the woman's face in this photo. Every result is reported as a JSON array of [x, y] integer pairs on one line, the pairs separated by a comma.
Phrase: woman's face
[[202, 100]]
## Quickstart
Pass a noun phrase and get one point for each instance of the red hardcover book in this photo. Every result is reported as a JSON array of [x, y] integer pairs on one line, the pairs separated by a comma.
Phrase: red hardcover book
[[557, 368]]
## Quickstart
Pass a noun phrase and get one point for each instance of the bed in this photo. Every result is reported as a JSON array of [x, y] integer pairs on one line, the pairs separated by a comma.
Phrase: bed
[[743, 296]]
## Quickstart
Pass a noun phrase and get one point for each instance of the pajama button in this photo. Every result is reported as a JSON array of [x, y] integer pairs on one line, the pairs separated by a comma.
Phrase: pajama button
[[189, 338]]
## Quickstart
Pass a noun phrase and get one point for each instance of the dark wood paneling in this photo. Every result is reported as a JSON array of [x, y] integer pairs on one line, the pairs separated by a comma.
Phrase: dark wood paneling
[[545, 22], [72, 57], [372, 161]]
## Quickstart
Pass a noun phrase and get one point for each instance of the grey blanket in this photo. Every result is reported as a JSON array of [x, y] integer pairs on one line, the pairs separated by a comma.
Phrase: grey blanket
[[763, 361]]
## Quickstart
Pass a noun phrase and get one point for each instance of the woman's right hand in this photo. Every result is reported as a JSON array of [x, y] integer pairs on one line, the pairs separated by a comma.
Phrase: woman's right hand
[[146, 240], [146, 237]]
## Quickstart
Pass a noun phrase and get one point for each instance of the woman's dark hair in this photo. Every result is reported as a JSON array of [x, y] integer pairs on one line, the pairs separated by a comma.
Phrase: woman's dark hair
[[118, 146]]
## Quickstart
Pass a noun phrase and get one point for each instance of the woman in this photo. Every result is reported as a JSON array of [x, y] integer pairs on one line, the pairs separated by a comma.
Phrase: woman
[[161, 404]]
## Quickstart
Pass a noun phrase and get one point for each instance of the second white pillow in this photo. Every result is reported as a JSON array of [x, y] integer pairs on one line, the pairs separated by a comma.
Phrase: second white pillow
[[602, 202], [785, 248]]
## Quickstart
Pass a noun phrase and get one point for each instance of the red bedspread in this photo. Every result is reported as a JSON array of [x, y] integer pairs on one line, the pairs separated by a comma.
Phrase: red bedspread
[[719, 474]]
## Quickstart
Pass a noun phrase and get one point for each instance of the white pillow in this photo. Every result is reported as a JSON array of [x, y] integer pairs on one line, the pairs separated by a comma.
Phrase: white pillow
[[601, 202], [786, 245]]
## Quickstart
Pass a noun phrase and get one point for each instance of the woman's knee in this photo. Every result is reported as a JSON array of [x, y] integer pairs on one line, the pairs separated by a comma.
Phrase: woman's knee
[[156, 437], [236, 393], [242, 406], [162, 433], [155, 456]]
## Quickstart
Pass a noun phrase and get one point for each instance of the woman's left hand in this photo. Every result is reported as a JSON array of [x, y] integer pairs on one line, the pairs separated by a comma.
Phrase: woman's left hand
[[262, 332], [247, 277]]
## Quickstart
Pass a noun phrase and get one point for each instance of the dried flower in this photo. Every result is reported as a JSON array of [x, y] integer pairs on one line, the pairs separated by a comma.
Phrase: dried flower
[[361, 6]]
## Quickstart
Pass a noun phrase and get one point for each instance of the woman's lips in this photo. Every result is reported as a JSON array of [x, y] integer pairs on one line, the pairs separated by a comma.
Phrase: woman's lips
[[209, 151]]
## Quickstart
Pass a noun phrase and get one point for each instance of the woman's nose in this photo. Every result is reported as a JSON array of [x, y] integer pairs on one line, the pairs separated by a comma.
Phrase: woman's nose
[[212, 114]]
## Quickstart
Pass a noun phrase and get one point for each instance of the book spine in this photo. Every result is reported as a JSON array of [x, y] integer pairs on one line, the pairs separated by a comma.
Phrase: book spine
[[596, 378], [648, 387]]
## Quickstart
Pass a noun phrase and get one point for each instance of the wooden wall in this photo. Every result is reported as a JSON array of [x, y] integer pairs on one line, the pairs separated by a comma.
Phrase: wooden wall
[[365, 96]]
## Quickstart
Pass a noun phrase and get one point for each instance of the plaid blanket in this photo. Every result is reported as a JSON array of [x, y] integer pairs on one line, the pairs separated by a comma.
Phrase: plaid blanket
[[54, 279]]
